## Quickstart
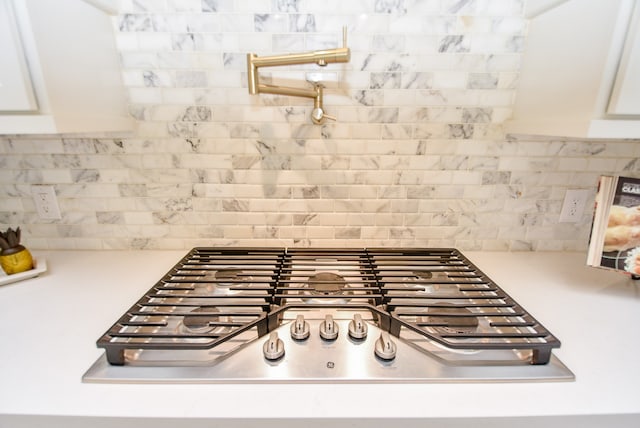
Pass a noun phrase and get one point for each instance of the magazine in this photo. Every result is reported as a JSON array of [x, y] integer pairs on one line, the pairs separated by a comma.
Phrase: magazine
[[615, 233]]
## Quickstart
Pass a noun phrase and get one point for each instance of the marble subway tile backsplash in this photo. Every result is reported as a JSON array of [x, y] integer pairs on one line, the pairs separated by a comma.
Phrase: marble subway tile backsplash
[[417, 157]]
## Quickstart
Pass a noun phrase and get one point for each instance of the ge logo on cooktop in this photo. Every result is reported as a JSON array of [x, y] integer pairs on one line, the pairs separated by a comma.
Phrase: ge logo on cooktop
[[330, 364]]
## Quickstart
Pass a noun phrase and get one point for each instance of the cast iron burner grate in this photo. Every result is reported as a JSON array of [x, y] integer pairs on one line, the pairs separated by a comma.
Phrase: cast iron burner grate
[[213, 295]]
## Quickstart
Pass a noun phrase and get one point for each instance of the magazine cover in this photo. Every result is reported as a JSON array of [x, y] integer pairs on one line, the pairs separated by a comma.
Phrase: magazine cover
[[621, 244]]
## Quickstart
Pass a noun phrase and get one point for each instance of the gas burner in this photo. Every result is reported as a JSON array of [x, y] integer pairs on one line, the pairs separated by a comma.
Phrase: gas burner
[[327, 283], [444, 289], [227, 276], [431, 282], [202, 288], [221, 281], [423, 274], [450, 319], [200, 323]]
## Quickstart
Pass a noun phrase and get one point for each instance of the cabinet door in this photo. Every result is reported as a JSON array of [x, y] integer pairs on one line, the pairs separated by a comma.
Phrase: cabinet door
[[16, 92], [625, 98]]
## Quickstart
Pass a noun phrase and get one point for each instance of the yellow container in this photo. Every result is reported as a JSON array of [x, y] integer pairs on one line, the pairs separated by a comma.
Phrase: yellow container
[[16, 262]]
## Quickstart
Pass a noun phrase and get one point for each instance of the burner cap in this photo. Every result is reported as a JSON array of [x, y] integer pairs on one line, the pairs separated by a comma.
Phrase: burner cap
[[326, 283], [201, 323], [423, 274], [430, 281], [419, 275], [453, 319], [227, 276]]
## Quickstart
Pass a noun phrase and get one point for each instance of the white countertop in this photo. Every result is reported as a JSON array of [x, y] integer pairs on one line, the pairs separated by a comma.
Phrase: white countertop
[[50, 325]]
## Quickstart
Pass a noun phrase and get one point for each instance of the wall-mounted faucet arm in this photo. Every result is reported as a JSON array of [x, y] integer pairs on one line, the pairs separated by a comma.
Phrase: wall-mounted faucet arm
[[286, 90], [321, 57], [318, 116]]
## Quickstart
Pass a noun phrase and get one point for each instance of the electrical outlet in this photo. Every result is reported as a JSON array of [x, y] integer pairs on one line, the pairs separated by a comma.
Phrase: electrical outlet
[[575, 200], [46, 202]]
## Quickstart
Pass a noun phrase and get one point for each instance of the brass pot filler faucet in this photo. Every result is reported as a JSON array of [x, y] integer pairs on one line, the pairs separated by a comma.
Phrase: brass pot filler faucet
[[322, 58]]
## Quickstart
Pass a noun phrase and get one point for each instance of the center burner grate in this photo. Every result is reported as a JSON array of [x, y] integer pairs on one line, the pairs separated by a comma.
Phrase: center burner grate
[[326, 277]]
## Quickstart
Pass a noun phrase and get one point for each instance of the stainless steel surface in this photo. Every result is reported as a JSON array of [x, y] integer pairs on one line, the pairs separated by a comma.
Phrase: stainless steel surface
[[328, 328], [385, 348], [357, 327], [273, 348], [323, 315], [300, 328], [343, 360]]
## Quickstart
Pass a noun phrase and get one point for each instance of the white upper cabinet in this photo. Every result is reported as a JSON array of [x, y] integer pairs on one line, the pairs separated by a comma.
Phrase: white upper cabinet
[[16, 92], [625, 97], [60, 70], [580, 75]]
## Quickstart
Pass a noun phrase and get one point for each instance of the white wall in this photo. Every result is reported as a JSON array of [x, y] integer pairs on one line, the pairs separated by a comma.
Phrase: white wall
[[418, 156]]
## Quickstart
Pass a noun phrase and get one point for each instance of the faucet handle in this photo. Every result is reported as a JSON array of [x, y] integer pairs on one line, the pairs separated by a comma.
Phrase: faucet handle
[[329, 117], [318, 116], [344, 36]]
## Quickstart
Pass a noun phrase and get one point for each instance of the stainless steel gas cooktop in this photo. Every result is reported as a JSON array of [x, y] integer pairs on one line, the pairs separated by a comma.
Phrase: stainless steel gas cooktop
[[326, 315]]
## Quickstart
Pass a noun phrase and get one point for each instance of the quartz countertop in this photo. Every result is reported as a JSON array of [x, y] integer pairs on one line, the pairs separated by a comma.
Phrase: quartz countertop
[[49, 326]]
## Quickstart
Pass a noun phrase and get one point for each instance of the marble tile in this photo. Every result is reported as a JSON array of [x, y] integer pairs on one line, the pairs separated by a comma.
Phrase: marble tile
[[417, 156], [454, 43], [140, 22], [270, 23], [214, 5], [388, 43]]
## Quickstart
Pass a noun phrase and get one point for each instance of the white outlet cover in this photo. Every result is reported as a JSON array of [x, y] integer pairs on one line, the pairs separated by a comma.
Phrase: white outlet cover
[[575, 201], [44, 197]]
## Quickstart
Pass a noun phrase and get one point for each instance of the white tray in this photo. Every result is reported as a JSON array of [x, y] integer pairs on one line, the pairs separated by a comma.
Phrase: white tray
[[39, 266]]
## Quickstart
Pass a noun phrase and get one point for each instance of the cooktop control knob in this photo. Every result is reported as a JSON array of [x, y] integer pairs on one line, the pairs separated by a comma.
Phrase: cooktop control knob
[[385, 348], [274, 347], [357, 327], [328, 328], [300, 328]]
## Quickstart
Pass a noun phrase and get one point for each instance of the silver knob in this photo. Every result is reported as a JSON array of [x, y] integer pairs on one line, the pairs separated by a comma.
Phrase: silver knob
[[357, 327], [328, 328], [273, 348], [385, 348], [300, 328]]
